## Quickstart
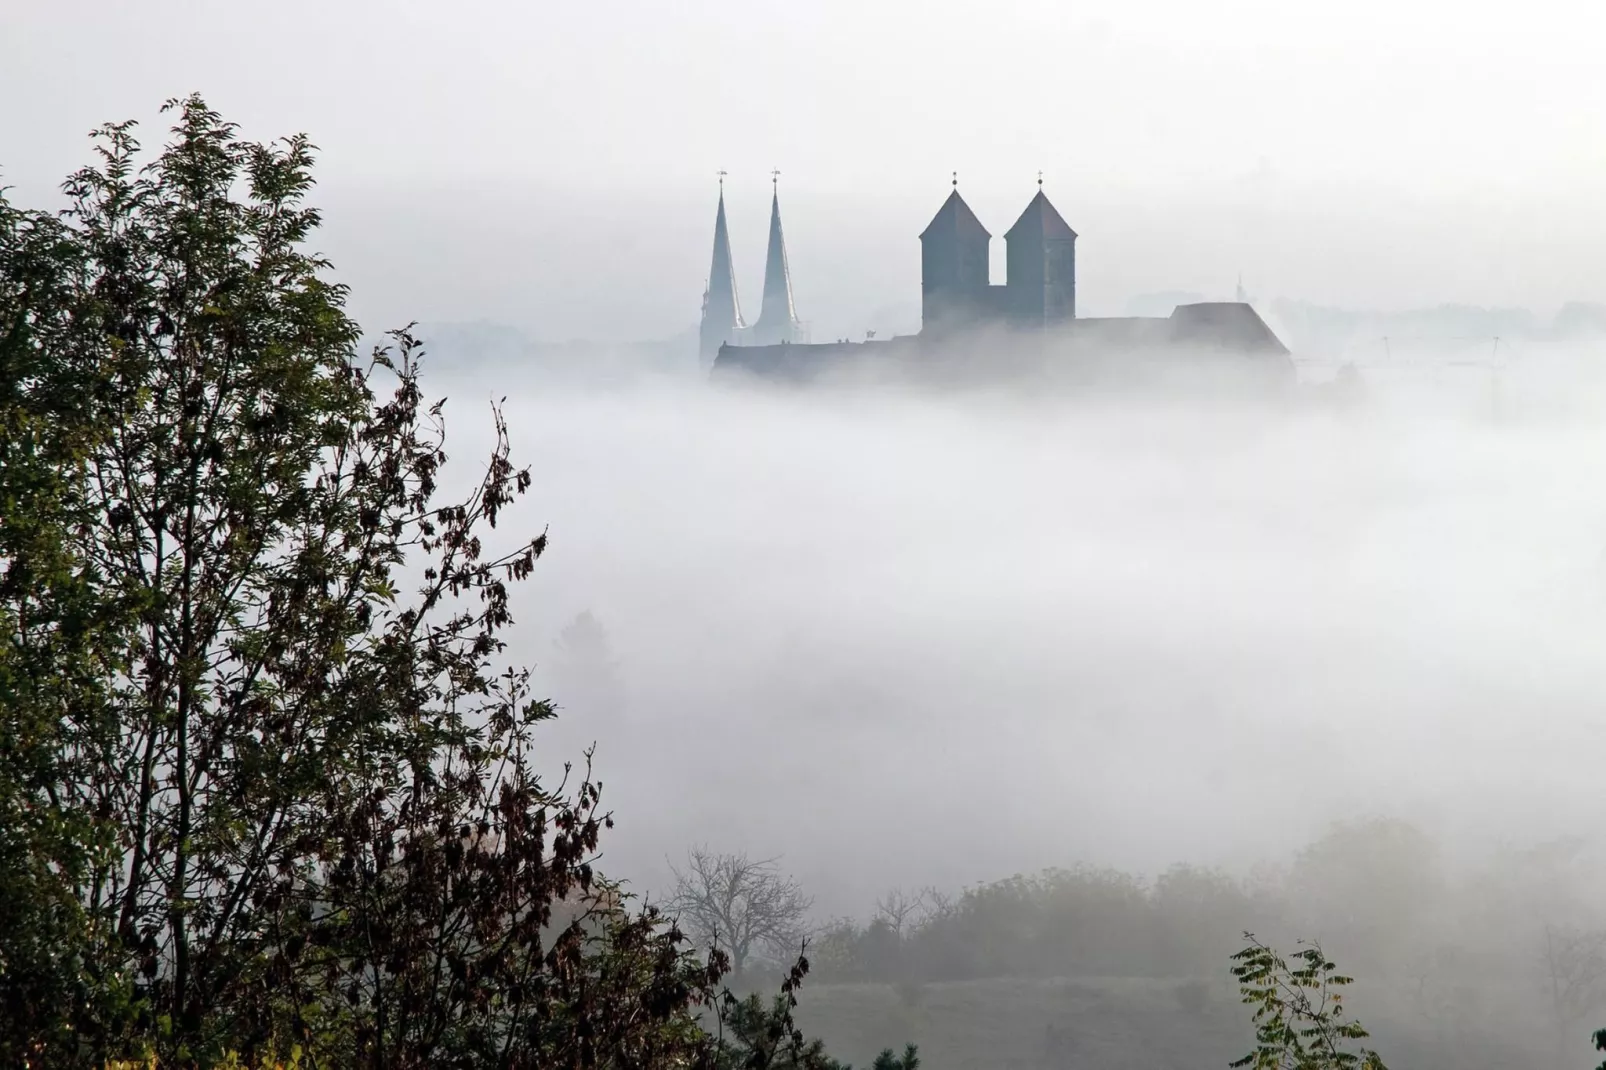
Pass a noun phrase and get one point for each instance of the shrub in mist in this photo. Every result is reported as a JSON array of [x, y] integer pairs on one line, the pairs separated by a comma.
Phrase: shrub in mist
[[1372, 891], [1068, 922]]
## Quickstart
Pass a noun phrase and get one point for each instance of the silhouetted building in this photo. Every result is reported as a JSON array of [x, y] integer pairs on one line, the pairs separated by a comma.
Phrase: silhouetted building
[[955, 288], [953, 268], [722, 322], [970, 327], [722, 312], [1040, 260], [777, 317]]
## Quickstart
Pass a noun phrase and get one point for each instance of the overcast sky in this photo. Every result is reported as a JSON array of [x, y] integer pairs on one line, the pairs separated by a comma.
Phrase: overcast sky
[[553, 165]]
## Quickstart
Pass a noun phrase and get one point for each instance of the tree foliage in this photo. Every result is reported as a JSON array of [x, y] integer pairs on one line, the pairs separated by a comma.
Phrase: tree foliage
[[53, 628], [1371, 885], [1079, 921], [1299, 1016], [267, 776]]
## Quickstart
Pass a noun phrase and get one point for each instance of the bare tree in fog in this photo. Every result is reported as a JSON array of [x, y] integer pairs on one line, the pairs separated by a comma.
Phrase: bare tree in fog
[[1574, 964], [884, 945], [740, 905], [902, 911]]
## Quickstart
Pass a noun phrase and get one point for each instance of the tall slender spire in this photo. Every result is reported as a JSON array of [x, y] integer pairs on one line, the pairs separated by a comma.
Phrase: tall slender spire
[[777, 316], [722, 312]]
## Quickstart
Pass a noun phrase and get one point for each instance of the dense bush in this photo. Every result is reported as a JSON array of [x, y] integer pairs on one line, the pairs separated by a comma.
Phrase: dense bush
[[1374, 891], [1080, 921]]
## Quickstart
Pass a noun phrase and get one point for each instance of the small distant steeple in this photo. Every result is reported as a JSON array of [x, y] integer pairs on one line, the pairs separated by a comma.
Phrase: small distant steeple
[[722, 312], [777, 316]]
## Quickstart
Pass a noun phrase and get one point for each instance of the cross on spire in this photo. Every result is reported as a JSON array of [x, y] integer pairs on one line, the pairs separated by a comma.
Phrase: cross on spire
[[775, 177], [956, 180], [1039, 180], [722, 175]]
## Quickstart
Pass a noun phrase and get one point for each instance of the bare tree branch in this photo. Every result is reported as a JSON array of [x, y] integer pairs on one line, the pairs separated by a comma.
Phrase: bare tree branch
[[742, 906], [903, 912]]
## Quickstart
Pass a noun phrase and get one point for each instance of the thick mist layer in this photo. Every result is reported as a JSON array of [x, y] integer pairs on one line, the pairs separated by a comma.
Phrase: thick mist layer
[[906, 639]]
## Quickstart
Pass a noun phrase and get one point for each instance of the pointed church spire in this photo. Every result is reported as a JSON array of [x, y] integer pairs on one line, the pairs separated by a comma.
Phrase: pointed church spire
[[777, 316], [722, 312]]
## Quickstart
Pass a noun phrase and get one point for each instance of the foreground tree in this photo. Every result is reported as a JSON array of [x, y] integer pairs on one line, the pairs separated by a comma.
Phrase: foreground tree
[[740, 906], [1300, 1022], [253, 797], [53, 631]]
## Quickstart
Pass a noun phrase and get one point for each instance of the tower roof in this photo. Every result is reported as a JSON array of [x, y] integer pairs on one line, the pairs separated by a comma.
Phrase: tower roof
[[954, 218], [1040, 219], [722, 301], [778, 313]]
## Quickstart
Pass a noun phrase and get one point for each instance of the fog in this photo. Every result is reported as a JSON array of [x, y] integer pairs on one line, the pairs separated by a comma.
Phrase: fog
[[898, 637], [894, 636], [904, 638]]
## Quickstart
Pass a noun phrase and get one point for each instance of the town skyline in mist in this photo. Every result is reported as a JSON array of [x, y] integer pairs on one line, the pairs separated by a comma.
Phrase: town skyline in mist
[[556, 170], [1015, 674]]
